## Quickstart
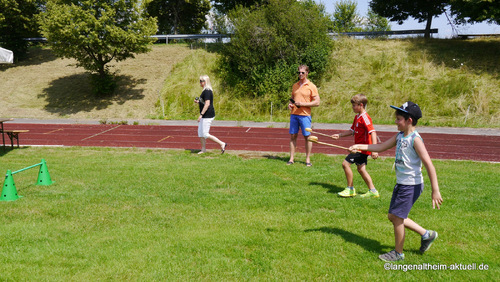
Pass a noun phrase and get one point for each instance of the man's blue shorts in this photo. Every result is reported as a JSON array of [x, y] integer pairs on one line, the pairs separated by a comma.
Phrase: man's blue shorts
[[303, 122]]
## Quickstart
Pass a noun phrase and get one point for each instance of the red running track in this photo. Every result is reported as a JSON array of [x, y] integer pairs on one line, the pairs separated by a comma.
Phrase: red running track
[[440, 146]]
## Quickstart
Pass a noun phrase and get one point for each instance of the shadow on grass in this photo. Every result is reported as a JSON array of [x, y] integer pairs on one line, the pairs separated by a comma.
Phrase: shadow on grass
[[273, 157], [73, 94], [366, 243], [330, 187], [284, 159], [476, 55], [7, 149], [193, 151]]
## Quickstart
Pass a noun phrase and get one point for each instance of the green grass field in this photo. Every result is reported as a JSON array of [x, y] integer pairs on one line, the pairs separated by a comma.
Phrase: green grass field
[[139, 214]]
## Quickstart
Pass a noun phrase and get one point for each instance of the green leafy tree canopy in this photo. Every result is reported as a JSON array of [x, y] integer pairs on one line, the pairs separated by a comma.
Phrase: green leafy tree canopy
[[401, 10], [375, 22], [224, 6], [97, 32], [345, 17], [268, 44], [18, 20], [464, 11], [179, 16], [471, 11]]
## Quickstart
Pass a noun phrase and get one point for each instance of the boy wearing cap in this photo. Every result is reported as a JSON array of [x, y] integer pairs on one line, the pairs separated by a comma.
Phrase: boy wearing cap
[[410, 154]]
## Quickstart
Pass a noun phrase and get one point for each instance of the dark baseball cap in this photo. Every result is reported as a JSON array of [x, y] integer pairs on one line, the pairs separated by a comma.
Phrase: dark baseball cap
[[410, 108]]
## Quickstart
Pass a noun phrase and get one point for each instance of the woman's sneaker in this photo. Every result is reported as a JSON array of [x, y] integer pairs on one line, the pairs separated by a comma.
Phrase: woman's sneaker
[[392, 256]]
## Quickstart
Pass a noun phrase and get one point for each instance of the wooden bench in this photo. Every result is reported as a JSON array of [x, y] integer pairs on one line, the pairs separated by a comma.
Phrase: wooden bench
[[14, 134]]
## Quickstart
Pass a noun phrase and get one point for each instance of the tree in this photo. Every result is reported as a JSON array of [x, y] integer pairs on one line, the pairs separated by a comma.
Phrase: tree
[[400, 10], [375, 22], [268, 44], [220, 22], [471, 11], [18, 20], [96, 33], [179, 16], [345, 17], [224, 6]]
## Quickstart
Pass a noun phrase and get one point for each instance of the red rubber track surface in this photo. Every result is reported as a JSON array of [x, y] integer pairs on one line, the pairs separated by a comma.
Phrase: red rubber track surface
[[440, 146]]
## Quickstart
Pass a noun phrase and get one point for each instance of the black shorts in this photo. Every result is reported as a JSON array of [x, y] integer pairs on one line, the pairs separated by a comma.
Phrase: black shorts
[[357, 158]]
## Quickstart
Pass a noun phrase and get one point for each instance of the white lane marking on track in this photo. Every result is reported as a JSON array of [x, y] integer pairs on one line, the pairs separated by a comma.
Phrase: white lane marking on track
[[248, 129], [100, 133]]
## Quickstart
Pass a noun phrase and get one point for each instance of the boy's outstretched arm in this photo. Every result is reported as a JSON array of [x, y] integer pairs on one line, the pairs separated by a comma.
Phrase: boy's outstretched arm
[[342, 134], [431, 171], [389, 143]]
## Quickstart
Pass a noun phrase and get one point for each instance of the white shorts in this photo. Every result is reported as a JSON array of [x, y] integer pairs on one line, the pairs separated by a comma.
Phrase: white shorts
[[204, 127]]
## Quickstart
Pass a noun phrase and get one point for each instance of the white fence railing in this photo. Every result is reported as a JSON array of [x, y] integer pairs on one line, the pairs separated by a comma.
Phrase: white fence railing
[[219, 37], [383, 33]]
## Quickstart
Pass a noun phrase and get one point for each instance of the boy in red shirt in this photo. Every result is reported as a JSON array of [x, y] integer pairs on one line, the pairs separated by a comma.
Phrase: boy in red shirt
[[364, 133]]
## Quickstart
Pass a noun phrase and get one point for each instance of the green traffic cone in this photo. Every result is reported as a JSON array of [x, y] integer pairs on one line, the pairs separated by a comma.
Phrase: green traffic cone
[[9, 191], [43, 175]]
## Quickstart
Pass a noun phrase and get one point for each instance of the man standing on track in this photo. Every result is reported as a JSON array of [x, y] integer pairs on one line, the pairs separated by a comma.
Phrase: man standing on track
[[304, 96]]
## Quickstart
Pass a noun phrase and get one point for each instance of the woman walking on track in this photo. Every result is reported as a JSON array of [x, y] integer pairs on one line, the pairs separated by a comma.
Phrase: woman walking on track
[[207, 115]]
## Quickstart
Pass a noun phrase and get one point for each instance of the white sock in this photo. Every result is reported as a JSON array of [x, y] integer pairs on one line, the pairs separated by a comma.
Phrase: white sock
[[426, 235]]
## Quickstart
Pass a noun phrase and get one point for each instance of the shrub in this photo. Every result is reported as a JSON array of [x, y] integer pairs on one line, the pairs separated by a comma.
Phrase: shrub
[[268, 45]]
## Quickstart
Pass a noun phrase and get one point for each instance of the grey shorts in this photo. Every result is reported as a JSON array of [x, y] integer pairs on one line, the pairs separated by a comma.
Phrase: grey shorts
[[403, 198]]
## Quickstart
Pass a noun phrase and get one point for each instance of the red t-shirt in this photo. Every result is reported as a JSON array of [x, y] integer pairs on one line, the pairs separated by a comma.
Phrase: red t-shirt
[[362, 127]]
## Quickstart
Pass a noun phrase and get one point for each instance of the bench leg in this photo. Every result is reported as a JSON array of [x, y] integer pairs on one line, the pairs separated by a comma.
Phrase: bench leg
[[13, 136], [3, 136], [11, 139]]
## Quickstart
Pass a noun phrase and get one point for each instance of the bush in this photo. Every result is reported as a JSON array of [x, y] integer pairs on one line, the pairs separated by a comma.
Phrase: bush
[[268, 45]]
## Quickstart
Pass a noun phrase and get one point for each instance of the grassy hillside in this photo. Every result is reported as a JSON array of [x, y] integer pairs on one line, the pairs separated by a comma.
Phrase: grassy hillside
[[46, 87], [456, 83], [452, 80]]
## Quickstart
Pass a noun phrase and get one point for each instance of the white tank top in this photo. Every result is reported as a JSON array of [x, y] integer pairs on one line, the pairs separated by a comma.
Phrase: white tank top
[[408, 164]]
